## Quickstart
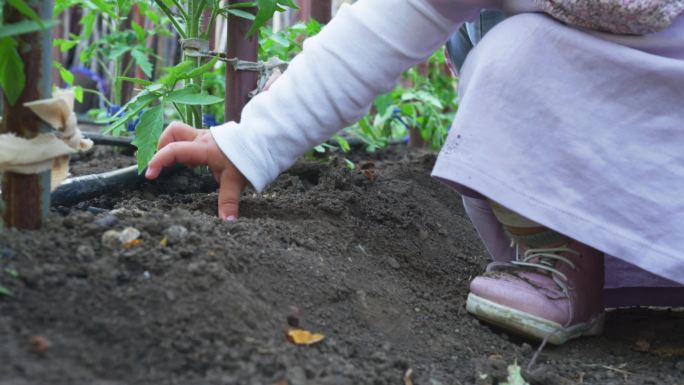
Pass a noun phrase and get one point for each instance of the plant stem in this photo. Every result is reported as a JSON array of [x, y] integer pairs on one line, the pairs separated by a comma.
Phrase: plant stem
[[184, 14], [98, 93], [193, 114], [172, 17], [180, 112]]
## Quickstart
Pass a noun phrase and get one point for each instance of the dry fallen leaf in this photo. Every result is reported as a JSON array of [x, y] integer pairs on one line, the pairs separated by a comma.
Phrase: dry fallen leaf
[[369, 174], [642, 345], [132, 244], [303, 337], [408, 377], [40, 343], [164, 242]]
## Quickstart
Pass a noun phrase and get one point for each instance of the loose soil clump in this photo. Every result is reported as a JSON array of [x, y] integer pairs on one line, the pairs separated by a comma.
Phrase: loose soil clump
[[378, 260]]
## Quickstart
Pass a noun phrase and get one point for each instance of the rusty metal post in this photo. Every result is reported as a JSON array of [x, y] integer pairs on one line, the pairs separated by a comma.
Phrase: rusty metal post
[[239, 83], [304, 12], [321, 11], [26, 198], [415, 139]]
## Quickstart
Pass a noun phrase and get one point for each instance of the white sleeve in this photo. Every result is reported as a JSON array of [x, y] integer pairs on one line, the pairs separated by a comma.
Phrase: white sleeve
[[360, 54]]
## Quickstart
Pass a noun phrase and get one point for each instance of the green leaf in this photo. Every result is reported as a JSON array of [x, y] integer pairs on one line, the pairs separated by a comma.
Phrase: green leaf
[[344, 145], [78, 94], [152, 15], [266, 10], [514, 376], [142, 61], [241, 13], [118, 50], [201, 70], [64, 73], [25, 10], [350, 164], [135, 80], [139, 31], [288, 3], [12, 75], [6, 292], [88, 22], [190, 96], [22, 27], [173, 73], [147, 134], [104, 7], [135, 105], [64, 44], [132, 109]]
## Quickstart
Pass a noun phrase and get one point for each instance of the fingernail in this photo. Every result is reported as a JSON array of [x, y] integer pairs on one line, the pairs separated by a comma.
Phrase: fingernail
[[148, 173], [231, 218]]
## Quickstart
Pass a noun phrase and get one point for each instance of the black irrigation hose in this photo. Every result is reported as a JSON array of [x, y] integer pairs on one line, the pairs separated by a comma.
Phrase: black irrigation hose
[[109, 140], [120, 141], [74, 190]]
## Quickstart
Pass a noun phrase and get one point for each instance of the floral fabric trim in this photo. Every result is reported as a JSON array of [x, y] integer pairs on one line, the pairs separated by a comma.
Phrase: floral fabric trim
[[629, 17]]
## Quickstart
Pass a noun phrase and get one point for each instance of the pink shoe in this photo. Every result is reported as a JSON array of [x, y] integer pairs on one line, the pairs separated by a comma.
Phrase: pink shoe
[[551, 292]]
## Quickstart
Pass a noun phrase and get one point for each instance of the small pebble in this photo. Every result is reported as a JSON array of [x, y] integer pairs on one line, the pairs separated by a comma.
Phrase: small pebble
[[111, 239], [393, 263], [107, 221], [296, 375], [176, 234], [40, 344], [129, 234], [196, 267], [85, 253], [6, 252], [293, 320], [680, 366], [423, 235]]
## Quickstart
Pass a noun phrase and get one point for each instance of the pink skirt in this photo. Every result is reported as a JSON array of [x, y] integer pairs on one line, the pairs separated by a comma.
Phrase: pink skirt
[[582, 132]]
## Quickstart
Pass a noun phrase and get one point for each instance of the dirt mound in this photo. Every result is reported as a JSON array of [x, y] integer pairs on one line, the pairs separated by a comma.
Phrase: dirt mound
[[378, 260]]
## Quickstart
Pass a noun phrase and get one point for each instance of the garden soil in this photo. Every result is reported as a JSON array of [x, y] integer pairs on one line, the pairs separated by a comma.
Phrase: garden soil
[[377, 260]]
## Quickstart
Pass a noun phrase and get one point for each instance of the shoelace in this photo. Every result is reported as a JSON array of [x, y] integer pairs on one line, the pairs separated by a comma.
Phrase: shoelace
[[546, 261]]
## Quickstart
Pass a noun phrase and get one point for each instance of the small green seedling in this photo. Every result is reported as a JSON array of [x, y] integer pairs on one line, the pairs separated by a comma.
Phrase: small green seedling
[[12, 273], [515, 376]]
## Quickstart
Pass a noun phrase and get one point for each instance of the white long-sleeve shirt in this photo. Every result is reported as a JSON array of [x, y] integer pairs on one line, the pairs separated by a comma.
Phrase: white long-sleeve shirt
[[332, 83]]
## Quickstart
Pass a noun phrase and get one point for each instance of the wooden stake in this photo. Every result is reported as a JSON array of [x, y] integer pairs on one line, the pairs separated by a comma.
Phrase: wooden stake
[[26, 198], [239, 83], [321, 11]]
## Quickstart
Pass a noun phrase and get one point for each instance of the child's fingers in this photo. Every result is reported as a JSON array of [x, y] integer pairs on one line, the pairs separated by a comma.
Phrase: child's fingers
[[188, 153], [274, 76], [177, 132], [232, 184]]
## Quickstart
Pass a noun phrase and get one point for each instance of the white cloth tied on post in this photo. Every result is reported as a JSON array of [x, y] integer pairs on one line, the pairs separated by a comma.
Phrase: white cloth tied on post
[[46, 151]]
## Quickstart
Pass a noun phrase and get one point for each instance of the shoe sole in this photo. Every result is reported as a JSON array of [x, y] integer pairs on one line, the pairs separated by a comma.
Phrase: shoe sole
[[528, 325]]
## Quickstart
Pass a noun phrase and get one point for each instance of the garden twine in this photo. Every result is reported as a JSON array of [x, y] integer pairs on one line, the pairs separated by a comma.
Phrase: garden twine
[[46, 151], [200, 48]]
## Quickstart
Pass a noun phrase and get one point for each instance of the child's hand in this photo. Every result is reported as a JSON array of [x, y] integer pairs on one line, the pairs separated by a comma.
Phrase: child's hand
[[181, 143]]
